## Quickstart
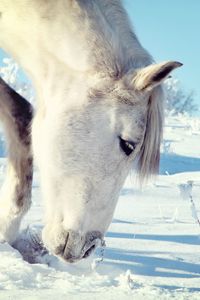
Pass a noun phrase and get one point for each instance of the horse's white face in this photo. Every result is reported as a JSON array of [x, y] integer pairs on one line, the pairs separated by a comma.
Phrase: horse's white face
[[85, 151], [85, 154]]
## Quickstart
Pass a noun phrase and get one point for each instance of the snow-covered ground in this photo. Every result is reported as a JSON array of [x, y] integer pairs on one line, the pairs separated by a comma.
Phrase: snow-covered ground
[[153, 243]]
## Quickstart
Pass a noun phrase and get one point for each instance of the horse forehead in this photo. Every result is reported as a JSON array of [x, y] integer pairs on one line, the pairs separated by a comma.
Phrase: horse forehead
[[119, 90], [131, 105]]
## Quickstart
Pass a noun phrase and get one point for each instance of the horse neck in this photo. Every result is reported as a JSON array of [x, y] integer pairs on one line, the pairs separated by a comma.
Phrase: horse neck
[[56, 39]]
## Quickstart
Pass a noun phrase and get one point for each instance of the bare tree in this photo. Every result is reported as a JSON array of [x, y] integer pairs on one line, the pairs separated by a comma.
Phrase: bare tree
[[177, 100]]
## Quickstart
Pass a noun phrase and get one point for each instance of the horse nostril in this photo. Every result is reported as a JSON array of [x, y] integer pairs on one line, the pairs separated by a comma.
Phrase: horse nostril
[[93, 240], [89, 251], [65, 245]]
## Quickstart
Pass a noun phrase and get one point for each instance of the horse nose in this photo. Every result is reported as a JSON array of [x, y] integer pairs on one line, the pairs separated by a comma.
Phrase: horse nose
[[80, 246]]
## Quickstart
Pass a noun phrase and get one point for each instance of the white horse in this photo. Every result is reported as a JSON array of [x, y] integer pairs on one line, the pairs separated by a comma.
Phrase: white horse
[[99, 108]]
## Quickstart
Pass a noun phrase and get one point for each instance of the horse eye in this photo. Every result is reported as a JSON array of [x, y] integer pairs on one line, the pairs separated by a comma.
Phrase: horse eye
[[127, 146]]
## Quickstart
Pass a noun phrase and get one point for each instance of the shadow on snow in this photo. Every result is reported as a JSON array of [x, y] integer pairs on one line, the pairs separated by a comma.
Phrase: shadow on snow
[[173, 163], [147, 264], [182, 239]]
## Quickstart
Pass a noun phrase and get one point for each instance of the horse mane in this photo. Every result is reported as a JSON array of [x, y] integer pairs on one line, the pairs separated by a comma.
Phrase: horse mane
[[149, 157], [115, 48]]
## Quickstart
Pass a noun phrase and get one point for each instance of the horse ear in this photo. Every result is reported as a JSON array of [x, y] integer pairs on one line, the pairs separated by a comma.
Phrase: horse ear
[[149, 77]]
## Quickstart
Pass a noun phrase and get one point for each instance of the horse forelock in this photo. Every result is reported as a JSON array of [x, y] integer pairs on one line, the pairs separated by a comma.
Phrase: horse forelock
[[149, 157]]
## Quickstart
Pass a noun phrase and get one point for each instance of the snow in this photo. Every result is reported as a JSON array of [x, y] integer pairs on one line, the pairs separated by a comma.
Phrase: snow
[[152, 246]]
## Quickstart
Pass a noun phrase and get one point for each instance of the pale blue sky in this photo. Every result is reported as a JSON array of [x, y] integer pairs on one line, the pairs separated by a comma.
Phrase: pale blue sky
[[170, 30]]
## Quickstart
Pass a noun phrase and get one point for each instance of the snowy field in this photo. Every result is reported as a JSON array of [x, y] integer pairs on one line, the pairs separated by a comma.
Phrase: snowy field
[[152, 246]]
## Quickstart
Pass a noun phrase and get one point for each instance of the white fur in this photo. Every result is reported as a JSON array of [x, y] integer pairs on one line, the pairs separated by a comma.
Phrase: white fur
[[81, 57]]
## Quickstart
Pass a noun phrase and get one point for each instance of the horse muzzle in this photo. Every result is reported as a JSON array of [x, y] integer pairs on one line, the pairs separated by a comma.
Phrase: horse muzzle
[[78, 246]]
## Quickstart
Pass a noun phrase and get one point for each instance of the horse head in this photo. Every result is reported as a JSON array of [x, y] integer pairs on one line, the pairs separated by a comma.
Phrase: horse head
[[86, 151]]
